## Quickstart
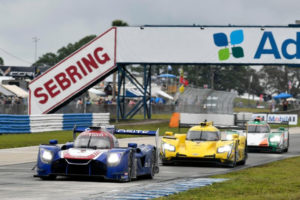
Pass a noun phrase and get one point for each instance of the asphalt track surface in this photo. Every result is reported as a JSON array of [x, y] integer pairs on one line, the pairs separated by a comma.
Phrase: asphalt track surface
[[17, 181]]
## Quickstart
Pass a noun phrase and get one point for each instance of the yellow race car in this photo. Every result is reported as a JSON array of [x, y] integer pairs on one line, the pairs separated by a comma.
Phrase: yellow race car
[[205, 143]]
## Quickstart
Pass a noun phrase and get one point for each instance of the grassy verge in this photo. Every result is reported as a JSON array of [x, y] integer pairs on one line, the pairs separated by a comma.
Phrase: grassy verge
[[252, 110], [277, 180], [22, 140]]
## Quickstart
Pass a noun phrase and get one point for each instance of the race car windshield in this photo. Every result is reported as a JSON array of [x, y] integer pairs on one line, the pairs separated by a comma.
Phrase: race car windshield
[[258, 129], [203, 135], [94, 142]]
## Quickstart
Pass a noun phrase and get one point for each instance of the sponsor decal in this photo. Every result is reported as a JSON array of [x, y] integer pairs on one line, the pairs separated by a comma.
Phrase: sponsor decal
[[269, 40], [268, 45], [84, 154], [278, 118], [236, 38]]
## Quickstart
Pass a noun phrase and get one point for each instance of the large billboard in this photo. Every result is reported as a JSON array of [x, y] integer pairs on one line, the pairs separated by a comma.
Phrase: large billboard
[[73, 74], [210, 45], [159, 45]]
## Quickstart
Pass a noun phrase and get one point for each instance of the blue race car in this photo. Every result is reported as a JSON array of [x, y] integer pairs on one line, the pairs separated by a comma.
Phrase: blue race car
[[96, 153]]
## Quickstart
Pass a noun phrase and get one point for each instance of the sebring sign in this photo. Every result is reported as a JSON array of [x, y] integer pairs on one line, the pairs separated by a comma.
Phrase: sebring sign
[[73, 74]]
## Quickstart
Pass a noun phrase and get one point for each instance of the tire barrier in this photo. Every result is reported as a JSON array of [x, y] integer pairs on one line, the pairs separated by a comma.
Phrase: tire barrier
[[50, 122]]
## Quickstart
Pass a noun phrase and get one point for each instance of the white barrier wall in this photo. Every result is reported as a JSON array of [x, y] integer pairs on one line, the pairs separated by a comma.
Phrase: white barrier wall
[[50, 122], [218, 119], [43, 123]]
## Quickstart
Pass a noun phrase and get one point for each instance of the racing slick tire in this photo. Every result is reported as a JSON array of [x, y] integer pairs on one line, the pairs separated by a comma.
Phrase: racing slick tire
[[130, 167], [152, 166], [243, 162], [288, 144], [233, 163]]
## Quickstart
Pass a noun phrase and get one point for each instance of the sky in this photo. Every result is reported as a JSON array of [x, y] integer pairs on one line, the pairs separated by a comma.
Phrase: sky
[[56, 23]]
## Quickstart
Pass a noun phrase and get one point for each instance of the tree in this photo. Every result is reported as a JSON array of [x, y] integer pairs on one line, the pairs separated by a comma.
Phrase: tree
[[50, 59], [119, 22], [276, 79], [223, 77], [1, 61]]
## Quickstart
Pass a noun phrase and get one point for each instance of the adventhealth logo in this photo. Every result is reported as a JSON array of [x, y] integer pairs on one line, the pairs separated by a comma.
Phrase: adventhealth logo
[[221, 40], [272, 48]]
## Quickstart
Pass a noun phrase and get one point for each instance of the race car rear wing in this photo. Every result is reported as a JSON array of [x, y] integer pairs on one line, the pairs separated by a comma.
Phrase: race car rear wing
[[113, 130]]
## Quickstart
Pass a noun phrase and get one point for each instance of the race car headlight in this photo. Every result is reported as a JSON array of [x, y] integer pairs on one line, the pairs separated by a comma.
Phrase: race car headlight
[[223, 149], [168, 147], [46, 156], [229, 137], [275, 139], [114, 159]]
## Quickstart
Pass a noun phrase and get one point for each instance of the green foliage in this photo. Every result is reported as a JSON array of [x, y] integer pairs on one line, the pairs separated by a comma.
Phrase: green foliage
[[224, 77], [1, 61], [70, 48], [50, 59], [276, 79], [264, 182], [119, 22]]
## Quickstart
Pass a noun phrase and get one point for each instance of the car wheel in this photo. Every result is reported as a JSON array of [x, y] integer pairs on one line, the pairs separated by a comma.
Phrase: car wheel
[[233, 163], [130, 166], [243, 162], [152, 166], [288, 144]]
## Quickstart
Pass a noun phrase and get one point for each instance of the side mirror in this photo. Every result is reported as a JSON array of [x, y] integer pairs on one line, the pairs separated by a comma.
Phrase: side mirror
[[53, 142], [168, 133]]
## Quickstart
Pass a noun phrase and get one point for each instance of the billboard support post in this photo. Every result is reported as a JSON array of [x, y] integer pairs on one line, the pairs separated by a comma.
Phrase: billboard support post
[[143, 100]]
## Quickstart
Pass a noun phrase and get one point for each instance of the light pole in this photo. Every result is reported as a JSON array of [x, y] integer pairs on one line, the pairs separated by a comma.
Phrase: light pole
[[250, 81], [35, 40]]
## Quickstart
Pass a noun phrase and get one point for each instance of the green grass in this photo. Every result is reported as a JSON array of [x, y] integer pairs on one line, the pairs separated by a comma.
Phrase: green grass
[[155, 116], [277, 181], [22, 140], [252, 110], [250, 104]]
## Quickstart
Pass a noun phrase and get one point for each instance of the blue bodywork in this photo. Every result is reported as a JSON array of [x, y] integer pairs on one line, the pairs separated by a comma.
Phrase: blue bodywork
[[133, 161]]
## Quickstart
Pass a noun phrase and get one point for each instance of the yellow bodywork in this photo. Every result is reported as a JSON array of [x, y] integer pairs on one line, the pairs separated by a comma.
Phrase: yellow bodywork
[[178, 148]]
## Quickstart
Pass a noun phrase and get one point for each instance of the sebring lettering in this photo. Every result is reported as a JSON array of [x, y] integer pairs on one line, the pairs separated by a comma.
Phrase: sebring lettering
[[72, 74], [273, 50]]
